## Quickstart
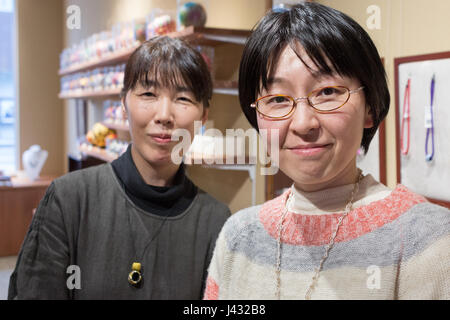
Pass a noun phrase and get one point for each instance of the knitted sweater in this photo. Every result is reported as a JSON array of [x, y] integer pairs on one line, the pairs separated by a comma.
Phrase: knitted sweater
[[392, 245]]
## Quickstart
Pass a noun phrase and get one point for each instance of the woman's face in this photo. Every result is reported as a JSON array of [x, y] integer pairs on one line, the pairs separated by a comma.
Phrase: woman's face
[[317, 150], [154, 113]]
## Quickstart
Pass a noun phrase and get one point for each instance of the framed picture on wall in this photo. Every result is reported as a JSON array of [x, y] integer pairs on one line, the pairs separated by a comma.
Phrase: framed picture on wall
[[422, 112]]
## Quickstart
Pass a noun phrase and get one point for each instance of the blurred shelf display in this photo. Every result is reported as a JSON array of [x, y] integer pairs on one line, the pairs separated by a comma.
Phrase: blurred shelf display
[[105, 48], [106, 154], [98, 82], [211, 36], [220, 87], [115, 125], [97, 152], [113, 47], [90, 94], [111, 59], [113, 115]]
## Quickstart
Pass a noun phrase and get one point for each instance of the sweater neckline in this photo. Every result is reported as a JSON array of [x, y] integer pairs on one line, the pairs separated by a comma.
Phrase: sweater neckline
[[163, 201], [307, 229], [334, 200]]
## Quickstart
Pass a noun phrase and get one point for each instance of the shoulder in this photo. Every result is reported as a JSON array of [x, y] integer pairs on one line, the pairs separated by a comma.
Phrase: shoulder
[[213, 205], [85, 181], [423, 223], [418, 206], [416, 211], [84, 176], [84, 186], [242, 223], [428, 220]]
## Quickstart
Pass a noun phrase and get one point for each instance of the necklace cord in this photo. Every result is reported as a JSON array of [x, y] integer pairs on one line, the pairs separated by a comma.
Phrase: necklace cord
[[327, 249], [149, 242]]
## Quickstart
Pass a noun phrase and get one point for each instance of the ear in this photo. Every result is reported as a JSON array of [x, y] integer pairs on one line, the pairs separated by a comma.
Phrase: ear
[[124, 109], [205, 115], [368, 119]]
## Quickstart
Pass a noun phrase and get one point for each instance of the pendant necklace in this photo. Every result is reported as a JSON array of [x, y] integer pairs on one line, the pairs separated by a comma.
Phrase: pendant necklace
[[327, 249], [135, 277]]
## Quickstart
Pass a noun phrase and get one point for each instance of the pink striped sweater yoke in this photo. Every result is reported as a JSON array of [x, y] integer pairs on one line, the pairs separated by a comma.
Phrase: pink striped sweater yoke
[[397, 247]]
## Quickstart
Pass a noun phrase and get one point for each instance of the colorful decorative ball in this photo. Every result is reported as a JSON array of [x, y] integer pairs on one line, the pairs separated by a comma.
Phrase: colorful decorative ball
[[192, 14], [160, 26]]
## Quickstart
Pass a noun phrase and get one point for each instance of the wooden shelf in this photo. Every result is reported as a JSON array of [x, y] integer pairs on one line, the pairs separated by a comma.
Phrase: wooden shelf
[[226, 87], [90, 94], [199, 36], [98, 153], [220, 87], [24, 182], [211, 36], [113, 58]]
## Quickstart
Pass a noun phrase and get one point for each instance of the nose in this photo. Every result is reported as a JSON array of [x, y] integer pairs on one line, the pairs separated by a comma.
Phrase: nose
[[304, 120], [164, 113]]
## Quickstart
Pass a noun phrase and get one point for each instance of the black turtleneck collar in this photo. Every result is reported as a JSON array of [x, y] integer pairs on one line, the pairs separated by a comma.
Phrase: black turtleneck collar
[[164, 201]]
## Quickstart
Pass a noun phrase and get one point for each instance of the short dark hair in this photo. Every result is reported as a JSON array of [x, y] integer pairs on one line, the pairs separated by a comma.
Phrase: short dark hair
[[169, 62], [333, 41]]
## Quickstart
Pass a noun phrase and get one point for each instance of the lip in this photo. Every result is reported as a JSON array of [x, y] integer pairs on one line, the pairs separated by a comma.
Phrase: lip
[[309, 150], [161, 138]]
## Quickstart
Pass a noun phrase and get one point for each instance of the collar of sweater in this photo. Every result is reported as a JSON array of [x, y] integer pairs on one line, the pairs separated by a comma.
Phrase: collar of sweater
[[334, 200], [155, 199], [308, 225]]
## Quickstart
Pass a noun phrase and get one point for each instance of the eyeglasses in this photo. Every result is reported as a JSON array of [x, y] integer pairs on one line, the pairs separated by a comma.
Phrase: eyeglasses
[[323, 100]]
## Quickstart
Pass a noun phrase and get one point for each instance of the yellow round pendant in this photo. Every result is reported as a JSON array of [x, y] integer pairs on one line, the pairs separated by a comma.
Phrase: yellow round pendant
[[135, 276]]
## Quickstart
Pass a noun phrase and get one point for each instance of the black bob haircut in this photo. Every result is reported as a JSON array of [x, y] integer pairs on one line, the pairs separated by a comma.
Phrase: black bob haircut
[[171, 63], [333, 41]]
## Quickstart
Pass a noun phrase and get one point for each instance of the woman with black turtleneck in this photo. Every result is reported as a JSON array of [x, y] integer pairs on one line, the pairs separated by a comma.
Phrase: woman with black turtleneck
[[137, 228]]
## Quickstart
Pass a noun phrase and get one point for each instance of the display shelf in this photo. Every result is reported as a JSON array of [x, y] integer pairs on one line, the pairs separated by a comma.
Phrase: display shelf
[[220, 87], [25, 182], [211, 36], [116, 126], [226, 87], [194, 35], [97, 152], [111, 59], [90, 94]]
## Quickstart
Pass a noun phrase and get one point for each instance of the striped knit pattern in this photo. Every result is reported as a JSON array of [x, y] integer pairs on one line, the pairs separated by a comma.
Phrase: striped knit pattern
[[394, 248]]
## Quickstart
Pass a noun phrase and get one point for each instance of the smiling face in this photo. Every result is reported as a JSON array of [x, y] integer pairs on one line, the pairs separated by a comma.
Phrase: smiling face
[[317, 150], [154, 113]]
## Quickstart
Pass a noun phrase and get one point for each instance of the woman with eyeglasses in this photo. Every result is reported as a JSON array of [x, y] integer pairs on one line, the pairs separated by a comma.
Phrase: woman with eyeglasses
[[313, 76]]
